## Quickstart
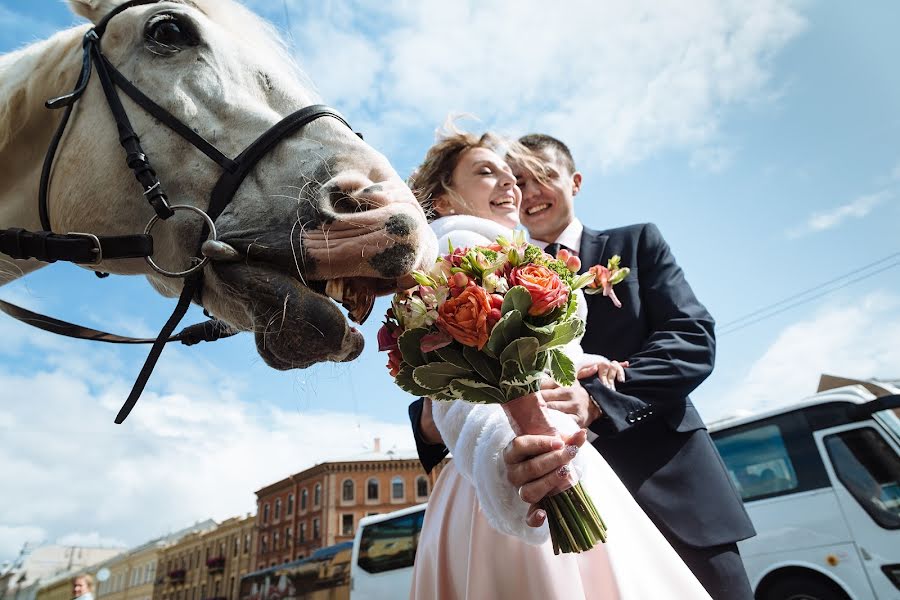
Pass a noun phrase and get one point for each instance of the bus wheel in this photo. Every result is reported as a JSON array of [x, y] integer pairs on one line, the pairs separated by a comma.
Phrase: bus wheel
[[803, 587]]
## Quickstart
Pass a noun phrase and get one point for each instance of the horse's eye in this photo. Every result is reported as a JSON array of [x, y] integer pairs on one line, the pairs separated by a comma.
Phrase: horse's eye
[[170, 33]]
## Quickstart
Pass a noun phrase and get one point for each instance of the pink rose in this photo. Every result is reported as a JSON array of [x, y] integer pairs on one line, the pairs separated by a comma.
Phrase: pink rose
[[548, 292]]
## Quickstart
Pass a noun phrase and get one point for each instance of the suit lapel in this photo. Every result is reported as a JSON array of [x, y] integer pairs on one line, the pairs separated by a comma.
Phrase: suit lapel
[[593, 243]]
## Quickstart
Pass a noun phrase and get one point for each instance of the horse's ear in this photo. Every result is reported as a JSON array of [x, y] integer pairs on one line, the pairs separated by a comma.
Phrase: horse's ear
[[93, 10]]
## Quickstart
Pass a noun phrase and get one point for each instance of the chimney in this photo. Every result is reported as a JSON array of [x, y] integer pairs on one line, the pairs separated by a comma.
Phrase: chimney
[[377, 446]]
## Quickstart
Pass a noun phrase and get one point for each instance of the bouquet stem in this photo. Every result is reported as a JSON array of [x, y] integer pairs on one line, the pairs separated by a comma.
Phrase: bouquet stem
[[575, 524]]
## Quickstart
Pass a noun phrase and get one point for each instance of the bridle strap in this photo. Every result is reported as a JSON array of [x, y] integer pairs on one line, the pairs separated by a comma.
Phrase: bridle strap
[[79, 248], [170, 121], [135, 157], [230, 181], [206, 331], [191, 284]]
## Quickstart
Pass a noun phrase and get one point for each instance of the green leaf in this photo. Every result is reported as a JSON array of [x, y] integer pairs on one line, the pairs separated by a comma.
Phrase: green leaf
[[524, 351], [437, 376], [542, 334], [410, 343], [507, 329], [511, 370], [484, 365], [476, 391], [406, 382], [453, 356], [564, 333], [561, 367], [443, 395], [517, 298]]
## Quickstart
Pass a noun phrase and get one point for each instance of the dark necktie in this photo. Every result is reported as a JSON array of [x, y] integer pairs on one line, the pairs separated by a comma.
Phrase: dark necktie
[[554, 248]]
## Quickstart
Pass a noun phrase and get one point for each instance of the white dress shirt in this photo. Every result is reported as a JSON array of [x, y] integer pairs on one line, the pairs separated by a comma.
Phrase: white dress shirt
[[570, 237]]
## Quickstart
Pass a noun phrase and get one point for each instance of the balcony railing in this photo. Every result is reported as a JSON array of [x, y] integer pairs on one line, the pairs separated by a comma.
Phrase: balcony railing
[[216, 564], [177, 576]]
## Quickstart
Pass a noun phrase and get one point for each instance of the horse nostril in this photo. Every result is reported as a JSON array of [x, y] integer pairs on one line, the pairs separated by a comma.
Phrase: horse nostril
[[345, 204]]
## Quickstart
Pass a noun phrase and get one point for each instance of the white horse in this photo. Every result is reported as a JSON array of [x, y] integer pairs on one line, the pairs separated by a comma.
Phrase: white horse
[[322, 212]]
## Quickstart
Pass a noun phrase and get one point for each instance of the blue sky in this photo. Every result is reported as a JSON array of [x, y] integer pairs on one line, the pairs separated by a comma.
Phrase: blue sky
[[763, 140]]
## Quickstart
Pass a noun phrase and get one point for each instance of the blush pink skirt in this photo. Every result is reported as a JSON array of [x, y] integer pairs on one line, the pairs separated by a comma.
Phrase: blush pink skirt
[[460, 556]]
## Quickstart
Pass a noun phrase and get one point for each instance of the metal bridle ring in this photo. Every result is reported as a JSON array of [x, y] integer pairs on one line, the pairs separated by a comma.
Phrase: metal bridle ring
[[212, 236]]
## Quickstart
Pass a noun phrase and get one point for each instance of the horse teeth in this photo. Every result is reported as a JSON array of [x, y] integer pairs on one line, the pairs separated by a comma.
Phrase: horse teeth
[[219, 251], [334, 289], [363, 308]]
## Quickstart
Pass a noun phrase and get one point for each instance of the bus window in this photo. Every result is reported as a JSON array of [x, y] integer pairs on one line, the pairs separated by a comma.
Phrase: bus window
[[390, 544], [870, 470], [758, 462]]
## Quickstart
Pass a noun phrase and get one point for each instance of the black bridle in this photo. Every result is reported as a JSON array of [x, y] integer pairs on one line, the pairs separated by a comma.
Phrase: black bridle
[[91, 249]]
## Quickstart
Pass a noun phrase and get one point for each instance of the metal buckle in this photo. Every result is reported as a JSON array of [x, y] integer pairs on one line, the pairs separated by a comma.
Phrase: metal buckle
[[212, 236], [98, 250]]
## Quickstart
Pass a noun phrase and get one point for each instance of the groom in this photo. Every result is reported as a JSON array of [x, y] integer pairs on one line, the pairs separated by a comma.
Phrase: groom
[[647, 429]]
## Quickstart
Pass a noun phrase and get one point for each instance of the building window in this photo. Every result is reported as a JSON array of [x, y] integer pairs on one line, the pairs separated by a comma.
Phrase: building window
[[347, 524], [264, 544], [287, 537], [275, 541], [235, 545], [246, 543], [372, 489], [290, 506], [302, 532], [304, 498], [317, 495], [348, 490], [266, 513], [316, 529], [421, 486], [277, 509], [398, 491]]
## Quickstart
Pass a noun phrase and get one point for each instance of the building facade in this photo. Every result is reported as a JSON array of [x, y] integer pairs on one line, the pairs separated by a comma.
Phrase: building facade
[[44, 564], [208, 565], [322, 505]]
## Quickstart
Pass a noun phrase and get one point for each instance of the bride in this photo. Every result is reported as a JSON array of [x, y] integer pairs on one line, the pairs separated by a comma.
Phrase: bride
[[475, 542]]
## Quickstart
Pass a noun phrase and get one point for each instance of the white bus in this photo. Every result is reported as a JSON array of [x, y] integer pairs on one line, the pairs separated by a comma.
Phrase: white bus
[[383, 554], [821, 482]]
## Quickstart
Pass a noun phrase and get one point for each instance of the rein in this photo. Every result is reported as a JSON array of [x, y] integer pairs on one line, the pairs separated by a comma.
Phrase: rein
[[91, 249]]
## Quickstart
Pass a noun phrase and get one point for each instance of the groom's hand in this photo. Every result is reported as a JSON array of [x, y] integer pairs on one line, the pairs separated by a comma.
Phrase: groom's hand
[[428, 427], [573, 400], [533, 466]]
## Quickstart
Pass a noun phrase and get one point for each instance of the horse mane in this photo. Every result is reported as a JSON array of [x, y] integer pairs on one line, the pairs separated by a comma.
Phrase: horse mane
[[27, 80]]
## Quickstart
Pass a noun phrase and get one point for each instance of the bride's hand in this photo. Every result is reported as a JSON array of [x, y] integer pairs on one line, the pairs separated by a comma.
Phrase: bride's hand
[[534, 466], [610, 372]]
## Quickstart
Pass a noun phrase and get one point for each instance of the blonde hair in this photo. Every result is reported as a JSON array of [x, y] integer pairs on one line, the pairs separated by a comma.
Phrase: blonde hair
[[434, 177], [88, 580]]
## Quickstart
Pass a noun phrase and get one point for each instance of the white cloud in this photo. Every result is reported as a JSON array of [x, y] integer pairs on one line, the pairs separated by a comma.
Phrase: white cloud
[[193, 449], [856, 209], [618, 81], [857, 338]]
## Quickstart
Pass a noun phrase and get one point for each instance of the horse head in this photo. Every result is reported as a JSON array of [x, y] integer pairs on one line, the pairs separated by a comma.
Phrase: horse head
[[321, 214]]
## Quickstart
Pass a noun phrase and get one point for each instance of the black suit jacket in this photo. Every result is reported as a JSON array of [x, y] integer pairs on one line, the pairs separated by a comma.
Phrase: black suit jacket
[[650, 432]]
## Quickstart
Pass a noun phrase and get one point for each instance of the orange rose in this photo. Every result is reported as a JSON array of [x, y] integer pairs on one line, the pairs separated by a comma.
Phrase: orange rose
[[465, 317], [547, 290]]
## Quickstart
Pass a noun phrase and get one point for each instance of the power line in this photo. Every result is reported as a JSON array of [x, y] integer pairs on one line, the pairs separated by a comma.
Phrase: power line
[[815, 288], [726, 329]]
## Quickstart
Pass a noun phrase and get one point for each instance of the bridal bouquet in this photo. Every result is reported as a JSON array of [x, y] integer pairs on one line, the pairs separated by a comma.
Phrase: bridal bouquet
[[486, 324]]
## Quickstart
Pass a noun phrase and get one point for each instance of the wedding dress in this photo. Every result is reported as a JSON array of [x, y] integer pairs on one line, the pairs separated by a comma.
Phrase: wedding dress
[[475, 543]]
